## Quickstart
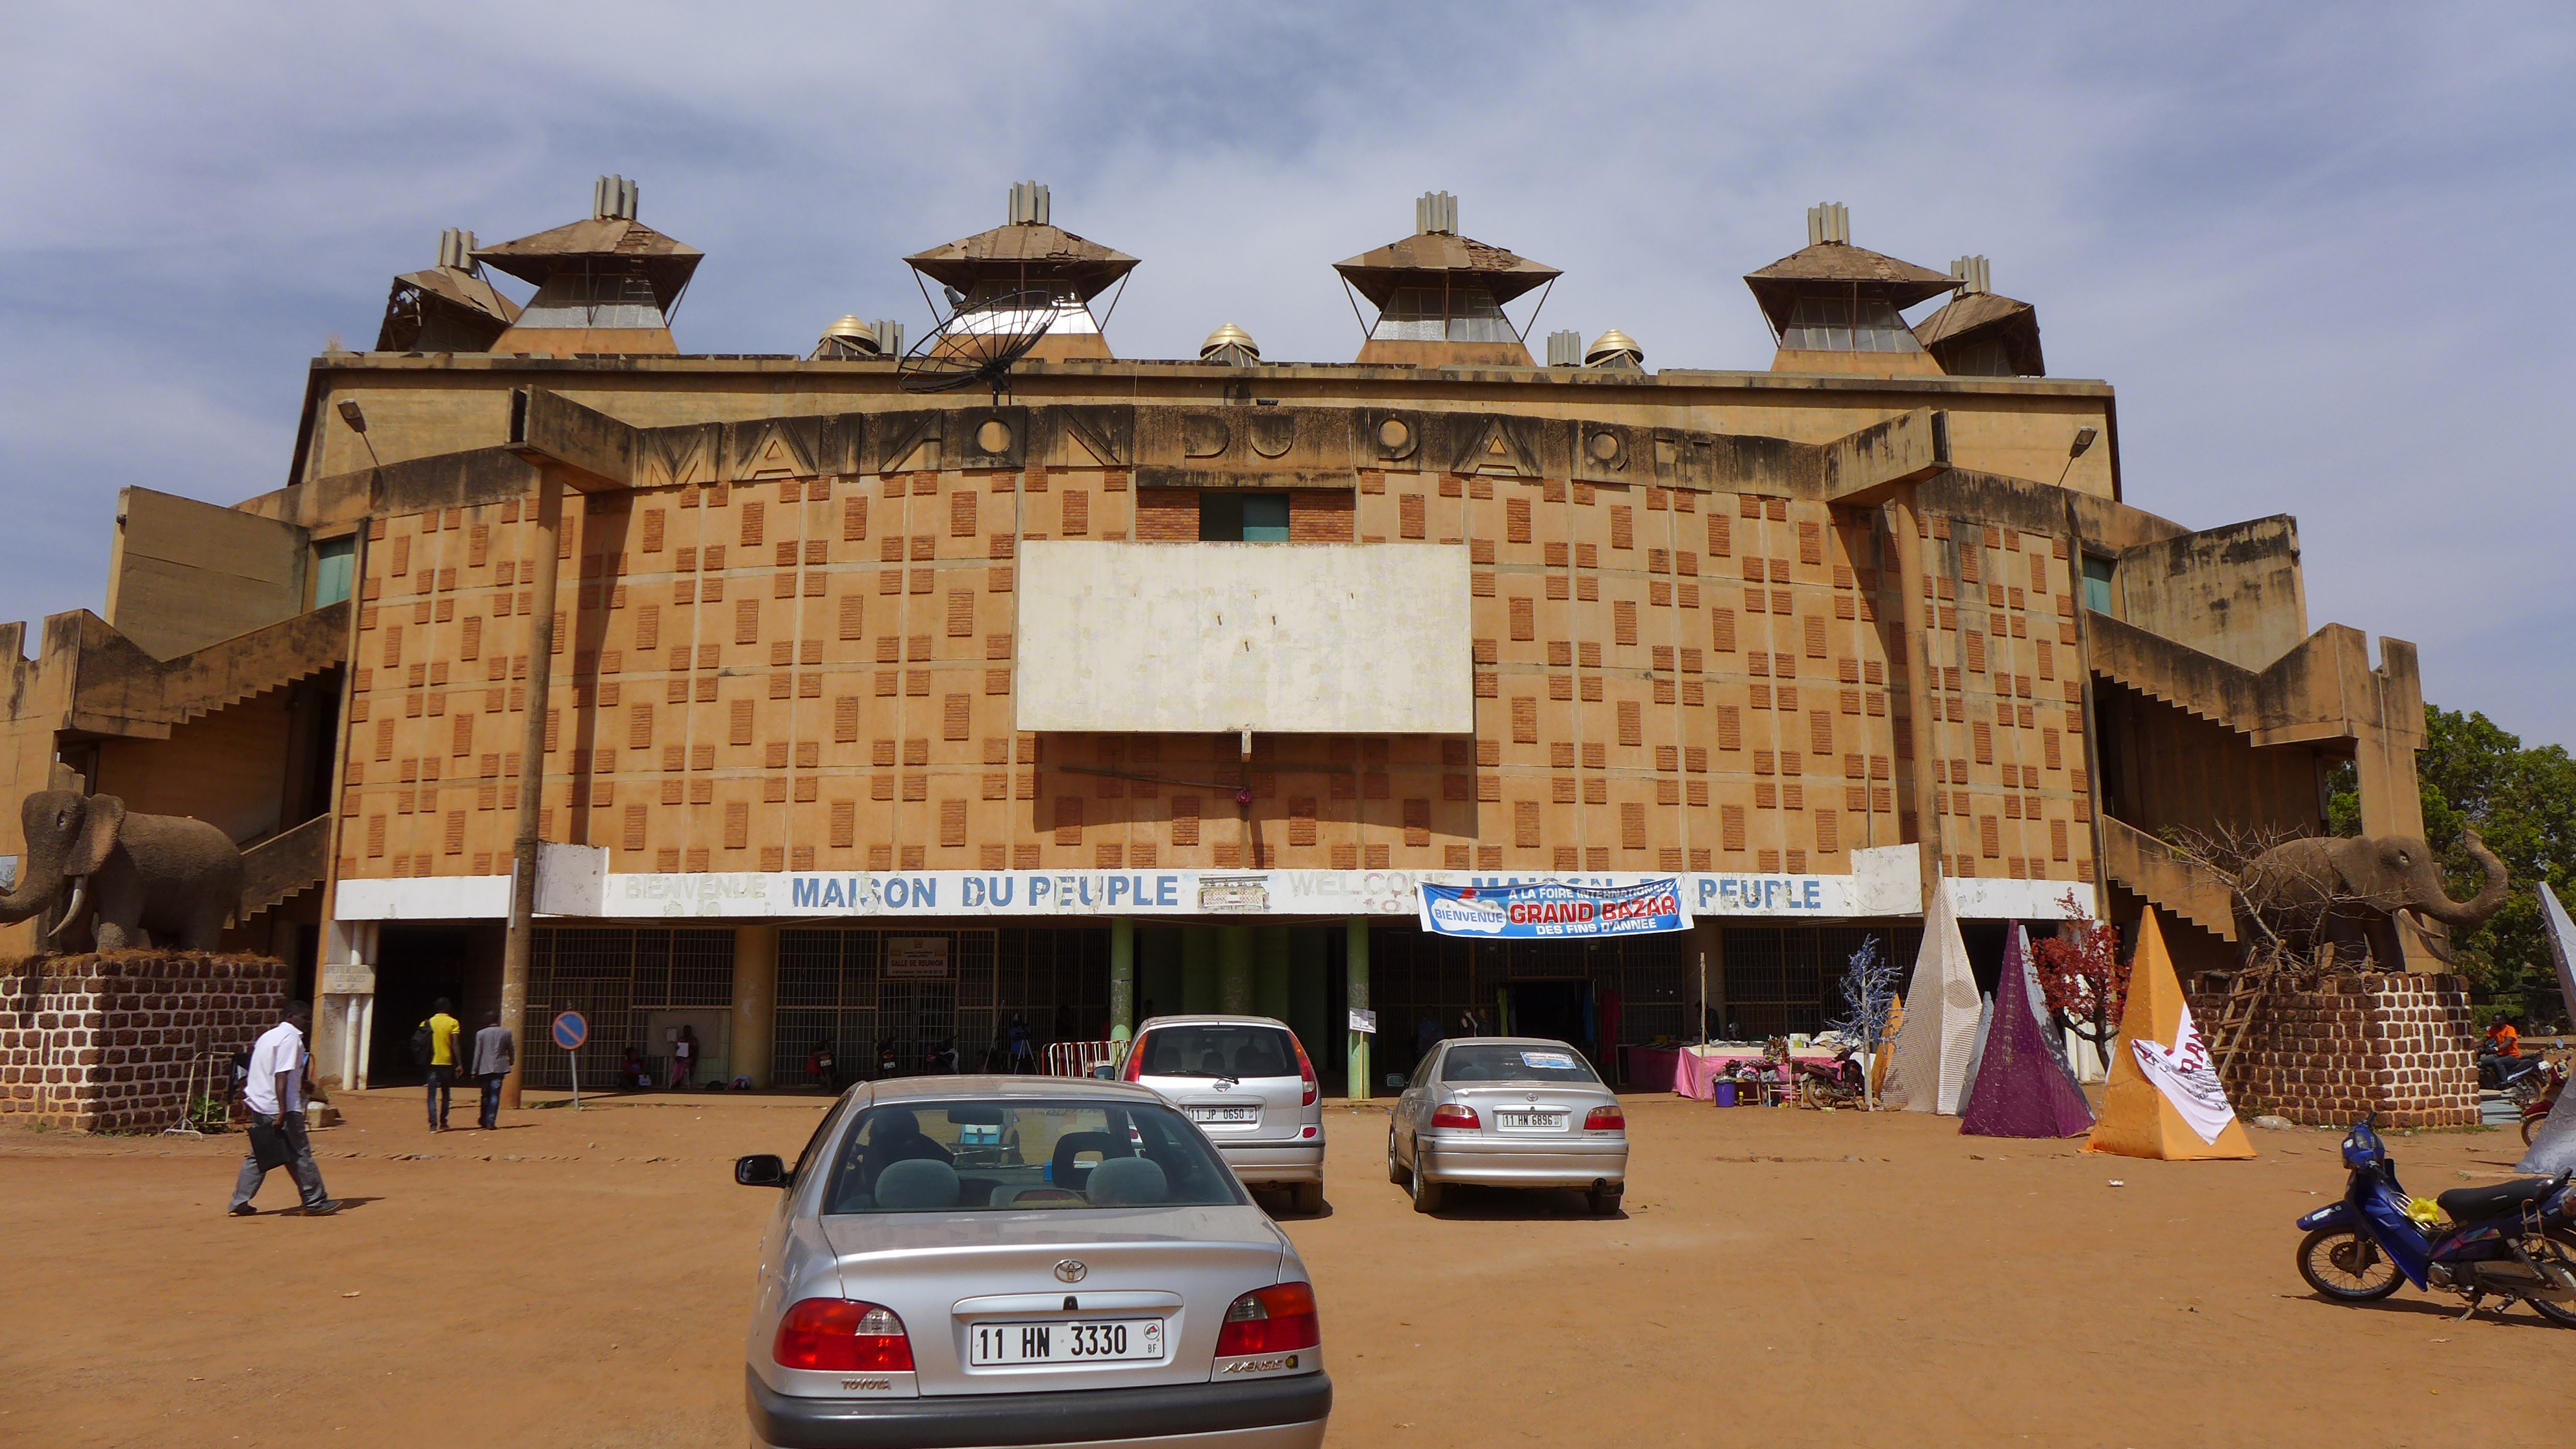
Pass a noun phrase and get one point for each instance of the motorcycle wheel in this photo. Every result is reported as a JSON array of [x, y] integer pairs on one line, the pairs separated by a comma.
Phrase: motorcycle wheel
[[2559, 1252], [2346, 1266]]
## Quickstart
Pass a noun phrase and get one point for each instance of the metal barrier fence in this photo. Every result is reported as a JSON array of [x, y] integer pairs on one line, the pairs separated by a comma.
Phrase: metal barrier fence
[[1077, 1058]]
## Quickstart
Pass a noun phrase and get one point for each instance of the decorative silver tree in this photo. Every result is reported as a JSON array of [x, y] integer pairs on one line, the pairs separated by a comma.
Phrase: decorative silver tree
[[1869, 1001]]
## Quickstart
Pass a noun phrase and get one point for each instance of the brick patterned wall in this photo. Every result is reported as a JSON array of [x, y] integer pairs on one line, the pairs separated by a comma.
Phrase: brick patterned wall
[[107, 1043], [781, 673], [2398, 1044]]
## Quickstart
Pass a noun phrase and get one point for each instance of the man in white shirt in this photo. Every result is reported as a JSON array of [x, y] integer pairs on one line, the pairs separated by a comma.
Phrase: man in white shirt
[[274, 1093]]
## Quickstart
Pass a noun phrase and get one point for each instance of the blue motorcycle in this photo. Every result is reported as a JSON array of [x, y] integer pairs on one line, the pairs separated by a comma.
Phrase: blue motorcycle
[[2514, 1239]]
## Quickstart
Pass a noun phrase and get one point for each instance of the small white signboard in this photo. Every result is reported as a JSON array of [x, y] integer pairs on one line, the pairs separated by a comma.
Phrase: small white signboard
[[1364, 1022], [916, 958]]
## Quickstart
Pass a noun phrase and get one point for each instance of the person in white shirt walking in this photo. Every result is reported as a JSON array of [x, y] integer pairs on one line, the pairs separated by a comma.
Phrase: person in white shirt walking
[[274, 1093]]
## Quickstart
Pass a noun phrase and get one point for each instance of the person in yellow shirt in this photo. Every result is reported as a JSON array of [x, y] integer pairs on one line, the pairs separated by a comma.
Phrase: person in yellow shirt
[[442, 1027]]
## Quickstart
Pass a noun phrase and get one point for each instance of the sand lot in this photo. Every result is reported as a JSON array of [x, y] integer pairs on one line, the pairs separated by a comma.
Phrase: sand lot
[[581, 1279]]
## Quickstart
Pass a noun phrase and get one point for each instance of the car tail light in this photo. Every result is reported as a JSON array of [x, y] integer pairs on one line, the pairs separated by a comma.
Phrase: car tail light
[[1270, 1320], [839, 1335], [1605, 1119], [1455, 1116], [1135, 1059], [1305, 1069]]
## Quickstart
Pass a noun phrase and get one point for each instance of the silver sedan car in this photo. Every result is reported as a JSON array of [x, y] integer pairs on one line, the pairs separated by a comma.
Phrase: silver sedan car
[[967, 1261], [1508, 1111]]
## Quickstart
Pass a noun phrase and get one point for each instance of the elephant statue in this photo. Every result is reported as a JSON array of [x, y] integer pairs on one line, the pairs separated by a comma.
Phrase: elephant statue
[[151, 879], [2349, 890]]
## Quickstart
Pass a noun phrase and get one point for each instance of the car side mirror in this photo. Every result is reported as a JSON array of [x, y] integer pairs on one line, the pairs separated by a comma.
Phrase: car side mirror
[[761, 1169], [1106, 1071]]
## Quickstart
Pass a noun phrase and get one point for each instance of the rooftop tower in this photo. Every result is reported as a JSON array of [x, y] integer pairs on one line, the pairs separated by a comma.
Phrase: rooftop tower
[[450, 307], [1032, 254], [607, 284], [1982, 333], [1833, 307], [1440, 296]]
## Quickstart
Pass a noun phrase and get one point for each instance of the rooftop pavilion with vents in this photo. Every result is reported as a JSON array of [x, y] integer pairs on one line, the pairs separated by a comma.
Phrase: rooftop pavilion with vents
[[1835, 307], [451, 307], [606, 284], [1032, 254], [1439, 296], [1980, 332]]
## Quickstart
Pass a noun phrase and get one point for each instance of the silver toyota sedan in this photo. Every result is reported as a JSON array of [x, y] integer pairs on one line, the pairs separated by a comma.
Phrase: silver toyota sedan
[[969, 1261], [1508, 1111], [1246, 1082]]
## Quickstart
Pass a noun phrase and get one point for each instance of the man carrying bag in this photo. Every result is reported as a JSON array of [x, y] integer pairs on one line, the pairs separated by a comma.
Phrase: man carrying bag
[[274, 1093]]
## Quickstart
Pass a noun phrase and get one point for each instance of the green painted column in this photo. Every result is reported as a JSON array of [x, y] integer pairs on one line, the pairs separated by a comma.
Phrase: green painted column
[[1270, 972], [1357, 967], [1122, 977], [1234, 968], [1198, 971]]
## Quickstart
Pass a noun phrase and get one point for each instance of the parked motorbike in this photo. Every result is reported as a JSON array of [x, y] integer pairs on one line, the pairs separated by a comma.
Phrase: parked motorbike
[[2521, 1078], [2535, 1109], [2512, 1239]]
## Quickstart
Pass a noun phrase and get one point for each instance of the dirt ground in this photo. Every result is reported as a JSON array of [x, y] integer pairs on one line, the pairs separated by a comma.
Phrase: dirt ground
[[581, 1279]]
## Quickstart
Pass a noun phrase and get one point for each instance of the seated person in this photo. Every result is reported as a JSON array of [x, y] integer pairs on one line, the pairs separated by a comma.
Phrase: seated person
[[894, 1135]]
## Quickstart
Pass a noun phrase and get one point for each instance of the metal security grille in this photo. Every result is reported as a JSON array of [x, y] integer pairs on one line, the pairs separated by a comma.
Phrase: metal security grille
[[1779, 981], [613, 975], [832, 988]]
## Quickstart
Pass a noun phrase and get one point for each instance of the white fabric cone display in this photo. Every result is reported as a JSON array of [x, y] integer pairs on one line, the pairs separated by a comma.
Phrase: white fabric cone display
[[1929, 1067], [2553, 1147], [1977, 1051]]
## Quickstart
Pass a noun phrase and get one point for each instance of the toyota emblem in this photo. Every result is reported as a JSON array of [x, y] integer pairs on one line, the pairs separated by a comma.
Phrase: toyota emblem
[[1070, 1270]]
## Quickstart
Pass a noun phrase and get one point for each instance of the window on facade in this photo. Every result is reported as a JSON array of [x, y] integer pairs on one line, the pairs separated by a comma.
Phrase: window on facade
[[1827, 324], [334, 559], [1243, 517], [2097, 583]]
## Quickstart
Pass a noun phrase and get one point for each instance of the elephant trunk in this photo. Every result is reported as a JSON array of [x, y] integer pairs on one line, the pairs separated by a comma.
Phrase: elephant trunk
[[33, 895], [2470, 914]]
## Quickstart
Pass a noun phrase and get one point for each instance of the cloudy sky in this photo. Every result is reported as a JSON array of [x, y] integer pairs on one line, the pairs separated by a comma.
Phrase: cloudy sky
[[2287, 235]]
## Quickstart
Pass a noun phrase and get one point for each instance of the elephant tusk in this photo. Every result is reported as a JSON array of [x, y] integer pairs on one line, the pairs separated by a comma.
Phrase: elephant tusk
[[72, 912]]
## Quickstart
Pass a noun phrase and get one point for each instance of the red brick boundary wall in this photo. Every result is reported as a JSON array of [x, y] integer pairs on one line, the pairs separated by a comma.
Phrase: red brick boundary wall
[[108, 1043], [2398, 1044]]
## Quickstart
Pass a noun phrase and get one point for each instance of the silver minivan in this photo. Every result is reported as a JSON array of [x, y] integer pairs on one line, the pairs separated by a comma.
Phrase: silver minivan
[[1246, 1082]]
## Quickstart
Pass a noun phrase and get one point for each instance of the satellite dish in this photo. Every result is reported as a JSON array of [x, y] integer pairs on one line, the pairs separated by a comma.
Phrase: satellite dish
[[978, 344]]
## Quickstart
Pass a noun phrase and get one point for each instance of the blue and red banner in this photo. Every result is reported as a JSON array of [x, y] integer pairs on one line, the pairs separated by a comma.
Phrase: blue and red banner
[[1546, 910]]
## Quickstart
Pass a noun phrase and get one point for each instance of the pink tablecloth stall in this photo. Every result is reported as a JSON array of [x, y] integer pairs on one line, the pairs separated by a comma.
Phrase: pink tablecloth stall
[[1690, 1074]]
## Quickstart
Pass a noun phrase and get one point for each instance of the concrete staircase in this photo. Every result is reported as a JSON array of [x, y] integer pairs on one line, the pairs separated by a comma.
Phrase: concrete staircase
[[285, 865]]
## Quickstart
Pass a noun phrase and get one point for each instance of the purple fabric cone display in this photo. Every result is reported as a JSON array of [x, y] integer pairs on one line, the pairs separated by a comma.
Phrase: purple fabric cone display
[[2019, 1090]]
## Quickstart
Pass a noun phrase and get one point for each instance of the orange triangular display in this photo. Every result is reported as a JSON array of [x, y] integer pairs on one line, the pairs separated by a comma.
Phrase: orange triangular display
[[2136, 1119]]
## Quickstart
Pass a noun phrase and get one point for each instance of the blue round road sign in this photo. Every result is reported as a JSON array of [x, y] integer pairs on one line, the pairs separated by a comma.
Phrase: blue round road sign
[[571, 1031]]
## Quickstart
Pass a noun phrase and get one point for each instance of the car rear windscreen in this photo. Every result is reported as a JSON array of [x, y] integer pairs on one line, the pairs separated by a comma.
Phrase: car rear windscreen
[[1544, 1063], [1018, 1155], [1211, 1049]]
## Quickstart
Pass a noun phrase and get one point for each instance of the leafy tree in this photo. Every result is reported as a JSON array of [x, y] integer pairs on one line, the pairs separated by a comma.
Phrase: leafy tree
[[2522, 802]]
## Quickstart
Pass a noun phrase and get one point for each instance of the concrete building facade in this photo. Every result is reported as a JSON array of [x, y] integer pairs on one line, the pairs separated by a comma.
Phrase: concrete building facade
[[848, 714]]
